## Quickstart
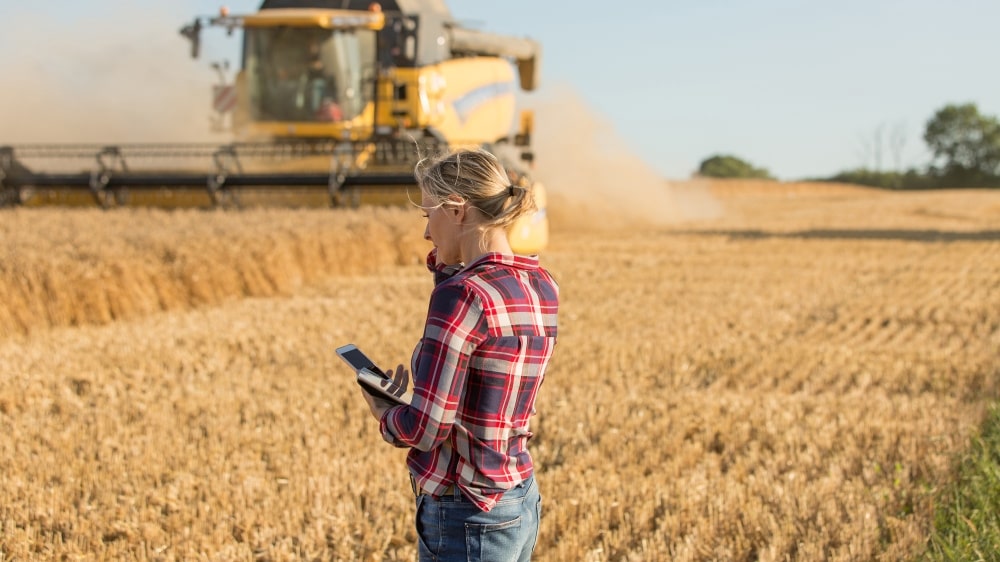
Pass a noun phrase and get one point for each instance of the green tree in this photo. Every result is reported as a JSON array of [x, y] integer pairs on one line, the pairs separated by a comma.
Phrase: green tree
[[726, 166], [966, 143]]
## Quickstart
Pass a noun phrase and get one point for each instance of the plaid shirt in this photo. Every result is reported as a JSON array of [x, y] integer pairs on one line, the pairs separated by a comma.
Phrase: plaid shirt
[[490, 331]]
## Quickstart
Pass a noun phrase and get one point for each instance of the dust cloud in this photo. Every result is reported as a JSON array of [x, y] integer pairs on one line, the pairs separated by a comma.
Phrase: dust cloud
[[593, 178], [120, 73]]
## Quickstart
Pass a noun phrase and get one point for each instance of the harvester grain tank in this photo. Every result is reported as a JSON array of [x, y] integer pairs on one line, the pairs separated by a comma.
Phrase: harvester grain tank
[[335, 101]]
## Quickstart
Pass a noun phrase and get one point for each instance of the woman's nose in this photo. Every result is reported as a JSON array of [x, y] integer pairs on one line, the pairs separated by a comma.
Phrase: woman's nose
[[427, 232]]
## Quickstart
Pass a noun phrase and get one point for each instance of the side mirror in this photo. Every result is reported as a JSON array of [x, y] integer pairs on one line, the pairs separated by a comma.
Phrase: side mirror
[[193, 34]]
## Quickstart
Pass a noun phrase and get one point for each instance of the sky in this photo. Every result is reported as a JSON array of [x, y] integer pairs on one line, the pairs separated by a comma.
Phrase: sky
[[803, 89]]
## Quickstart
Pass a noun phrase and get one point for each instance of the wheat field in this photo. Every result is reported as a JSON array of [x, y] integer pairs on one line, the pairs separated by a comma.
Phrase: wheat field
[[789, 379]]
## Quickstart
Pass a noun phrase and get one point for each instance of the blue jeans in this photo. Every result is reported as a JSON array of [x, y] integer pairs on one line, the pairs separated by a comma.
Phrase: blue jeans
[[452, 528]]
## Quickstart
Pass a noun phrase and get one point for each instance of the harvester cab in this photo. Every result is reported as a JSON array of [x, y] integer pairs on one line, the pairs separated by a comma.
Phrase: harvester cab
[[369, 69], [305, 73], [340, 95]]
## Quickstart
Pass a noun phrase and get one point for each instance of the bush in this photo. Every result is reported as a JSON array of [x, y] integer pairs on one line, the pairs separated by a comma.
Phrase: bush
[[725, 166], [911, 179]]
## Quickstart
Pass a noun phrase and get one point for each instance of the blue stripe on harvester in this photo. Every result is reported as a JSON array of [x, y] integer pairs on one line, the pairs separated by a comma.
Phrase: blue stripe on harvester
[[468, 103]]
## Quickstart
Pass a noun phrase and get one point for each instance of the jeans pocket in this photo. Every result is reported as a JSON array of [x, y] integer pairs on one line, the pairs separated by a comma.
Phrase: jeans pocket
[[427, 544], [538, 523], [494, 541]]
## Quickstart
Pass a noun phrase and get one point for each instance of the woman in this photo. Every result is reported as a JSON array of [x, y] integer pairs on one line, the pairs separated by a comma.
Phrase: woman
[[488, 337]]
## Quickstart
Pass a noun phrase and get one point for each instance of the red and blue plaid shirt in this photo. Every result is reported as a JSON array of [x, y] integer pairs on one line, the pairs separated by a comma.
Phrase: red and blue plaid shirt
[[490, 331]]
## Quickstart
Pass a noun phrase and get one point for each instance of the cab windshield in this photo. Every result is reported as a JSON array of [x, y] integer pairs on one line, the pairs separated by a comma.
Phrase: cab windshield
[[305, 74]]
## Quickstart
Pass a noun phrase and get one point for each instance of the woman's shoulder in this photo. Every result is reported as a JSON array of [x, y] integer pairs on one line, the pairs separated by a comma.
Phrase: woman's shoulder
[[500, 280], [460, 286]]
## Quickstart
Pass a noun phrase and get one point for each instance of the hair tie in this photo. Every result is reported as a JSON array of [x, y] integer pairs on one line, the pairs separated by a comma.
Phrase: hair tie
[[510, 190]]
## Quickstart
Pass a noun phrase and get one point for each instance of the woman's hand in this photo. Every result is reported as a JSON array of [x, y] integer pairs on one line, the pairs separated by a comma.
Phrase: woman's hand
[[378, 406], [400, 380], [395, 383]]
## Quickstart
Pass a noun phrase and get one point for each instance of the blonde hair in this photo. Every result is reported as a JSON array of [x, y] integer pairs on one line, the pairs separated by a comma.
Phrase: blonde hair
[[477, 177]]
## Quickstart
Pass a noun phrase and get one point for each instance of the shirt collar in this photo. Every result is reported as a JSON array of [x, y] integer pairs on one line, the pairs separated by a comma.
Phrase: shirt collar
[[509, 260]]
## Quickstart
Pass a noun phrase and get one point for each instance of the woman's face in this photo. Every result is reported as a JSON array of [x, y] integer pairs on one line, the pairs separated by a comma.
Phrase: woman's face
[[442, 229]]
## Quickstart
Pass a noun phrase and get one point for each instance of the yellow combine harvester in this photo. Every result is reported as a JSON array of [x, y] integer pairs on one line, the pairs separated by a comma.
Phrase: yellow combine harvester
[[334, 103]]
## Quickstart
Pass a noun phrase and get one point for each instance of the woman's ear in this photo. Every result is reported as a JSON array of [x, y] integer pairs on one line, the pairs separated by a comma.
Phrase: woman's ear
[[458, 210]]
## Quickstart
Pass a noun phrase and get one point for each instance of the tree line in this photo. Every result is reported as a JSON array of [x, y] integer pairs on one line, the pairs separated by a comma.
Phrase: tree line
[[964, 142]]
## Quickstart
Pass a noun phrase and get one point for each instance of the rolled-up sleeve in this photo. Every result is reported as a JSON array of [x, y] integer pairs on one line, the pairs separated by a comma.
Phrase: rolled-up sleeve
[[387, 434]]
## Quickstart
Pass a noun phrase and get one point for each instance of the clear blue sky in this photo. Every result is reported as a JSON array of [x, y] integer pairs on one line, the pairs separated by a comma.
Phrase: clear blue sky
[[800, 88]]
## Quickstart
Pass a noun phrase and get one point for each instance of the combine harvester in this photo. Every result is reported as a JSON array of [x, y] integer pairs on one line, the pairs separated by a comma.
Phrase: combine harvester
[[334, 103]]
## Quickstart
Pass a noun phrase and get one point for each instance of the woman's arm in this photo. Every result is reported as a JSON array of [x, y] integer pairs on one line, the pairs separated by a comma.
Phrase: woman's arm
[[455, 327]]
